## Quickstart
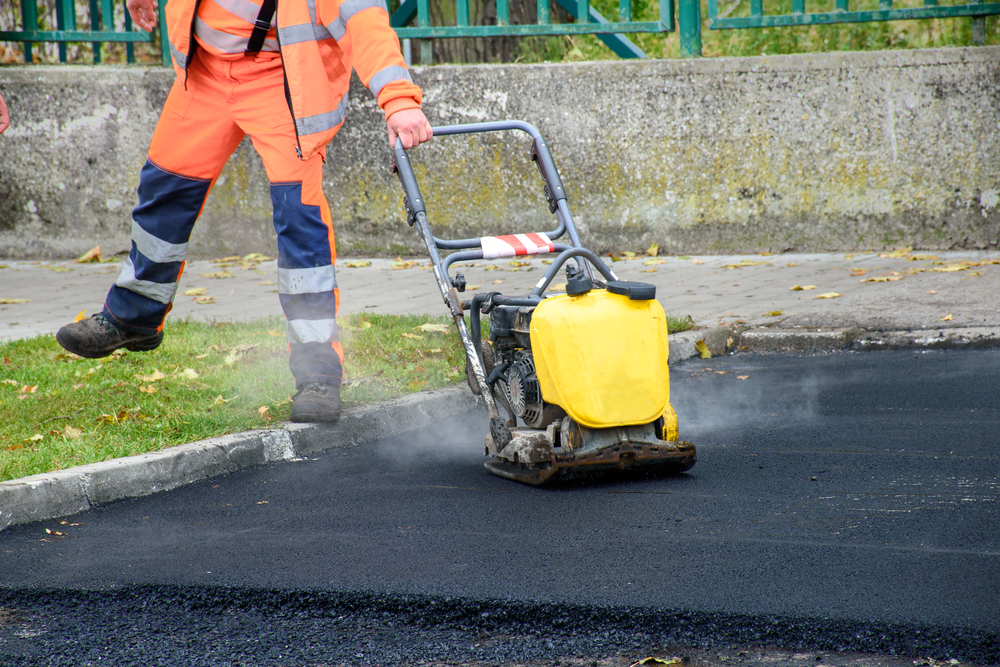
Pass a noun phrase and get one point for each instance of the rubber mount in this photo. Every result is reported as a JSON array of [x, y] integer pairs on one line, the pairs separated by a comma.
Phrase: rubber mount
[[500, 432]]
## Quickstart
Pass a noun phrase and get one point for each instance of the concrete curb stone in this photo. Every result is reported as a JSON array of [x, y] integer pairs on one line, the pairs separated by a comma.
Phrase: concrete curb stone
[[857, 339]]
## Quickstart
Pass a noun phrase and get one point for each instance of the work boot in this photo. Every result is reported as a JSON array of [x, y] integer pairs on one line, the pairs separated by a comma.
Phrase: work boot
[[316, 402], [97, 337]]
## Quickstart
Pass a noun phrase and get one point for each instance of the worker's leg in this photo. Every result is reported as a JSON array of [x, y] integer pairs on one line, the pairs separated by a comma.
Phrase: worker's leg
[[307, 284], [193, 139]]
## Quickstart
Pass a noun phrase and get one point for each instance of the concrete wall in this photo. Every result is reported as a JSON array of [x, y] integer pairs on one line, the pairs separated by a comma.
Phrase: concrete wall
[[842, 151]]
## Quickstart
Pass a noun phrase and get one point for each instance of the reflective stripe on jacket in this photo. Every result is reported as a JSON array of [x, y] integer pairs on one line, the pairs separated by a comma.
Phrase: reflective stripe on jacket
[[320, 41]]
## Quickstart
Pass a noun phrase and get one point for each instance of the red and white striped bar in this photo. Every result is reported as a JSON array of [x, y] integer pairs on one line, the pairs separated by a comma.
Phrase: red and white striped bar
[[513, 245]]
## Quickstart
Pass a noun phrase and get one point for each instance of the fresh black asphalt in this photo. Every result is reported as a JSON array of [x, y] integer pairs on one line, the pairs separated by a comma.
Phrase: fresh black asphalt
[[840, 502]]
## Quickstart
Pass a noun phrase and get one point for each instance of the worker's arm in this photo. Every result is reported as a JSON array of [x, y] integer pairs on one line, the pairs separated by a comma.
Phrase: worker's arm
[[362, 30], [143, 13], [4, 116]]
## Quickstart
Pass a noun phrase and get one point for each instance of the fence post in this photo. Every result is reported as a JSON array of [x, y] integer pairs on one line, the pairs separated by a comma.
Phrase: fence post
[[689, 27], [161, 28]]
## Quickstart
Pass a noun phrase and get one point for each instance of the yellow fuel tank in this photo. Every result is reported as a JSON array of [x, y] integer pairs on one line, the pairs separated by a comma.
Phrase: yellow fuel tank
[[602, 357]]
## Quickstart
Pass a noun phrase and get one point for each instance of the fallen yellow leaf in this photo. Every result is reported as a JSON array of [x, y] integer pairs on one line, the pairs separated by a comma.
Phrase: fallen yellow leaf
[[774, 313], [196, 291], [358, 264], [947, 318], [407, 334], [799, 288], [653, 250], [55, 532], [147, 389], [92, 255], [29, 389], [828, 295], [933, 291], [82, 315], [742, 377], [12, 301], [263, 412], [697, 261], [745, 262], [155, 377], [189, 373], [72, 433], [899, 252], [655, 260], [204, 300], [519, 263], [703, 350], [35, 438], [219, 275], [471, 288], [497, 282]]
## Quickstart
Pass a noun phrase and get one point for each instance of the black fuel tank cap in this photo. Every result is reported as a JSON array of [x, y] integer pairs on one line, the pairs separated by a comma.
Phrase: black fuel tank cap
[[633, 290]]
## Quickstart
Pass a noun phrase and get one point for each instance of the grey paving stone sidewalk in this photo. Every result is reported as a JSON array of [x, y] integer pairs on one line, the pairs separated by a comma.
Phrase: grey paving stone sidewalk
[[921, 291]]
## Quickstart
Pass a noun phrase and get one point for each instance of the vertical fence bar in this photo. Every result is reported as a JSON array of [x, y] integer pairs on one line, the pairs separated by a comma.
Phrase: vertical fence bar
[[884, 4], [462, 12], [61, 25], [543, 12], [625, 11], [424, 21], [129, 48], [798, 6], [95, 25], [29, 20], [503, 12], [756, 7], [582, 11], [978, 27], [161, 27], [842, 6], [689, 27], [667, 13]]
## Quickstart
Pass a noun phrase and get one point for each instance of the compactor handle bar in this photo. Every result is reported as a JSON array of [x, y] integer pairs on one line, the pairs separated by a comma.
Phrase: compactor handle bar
[[554, 192]]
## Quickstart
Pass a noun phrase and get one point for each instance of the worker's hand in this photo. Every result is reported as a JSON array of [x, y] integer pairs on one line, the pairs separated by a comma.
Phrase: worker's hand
[[143, 13], [409, 125], [4, 116]]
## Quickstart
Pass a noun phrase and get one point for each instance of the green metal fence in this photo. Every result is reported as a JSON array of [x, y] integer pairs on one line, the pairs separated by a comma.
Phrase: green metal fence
[[99, 31], [739, 14]]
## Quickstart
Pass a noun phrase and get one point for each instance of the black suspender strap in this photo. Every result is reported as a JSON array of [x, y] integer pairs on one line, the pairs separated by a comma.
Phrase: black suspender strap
[[260, 28]]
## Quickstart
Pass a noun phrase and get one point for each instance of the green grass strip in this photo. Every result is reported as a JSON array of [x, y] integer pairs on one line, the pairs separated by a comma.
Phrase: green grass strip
[[205, 380]]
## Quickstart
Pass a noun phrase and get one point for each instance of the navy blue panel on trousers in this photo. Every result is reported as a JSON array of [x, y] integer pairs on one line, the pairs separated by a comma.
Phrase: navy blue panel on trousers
[[169, 203], [314, 362], [303, 237], [317, 306]]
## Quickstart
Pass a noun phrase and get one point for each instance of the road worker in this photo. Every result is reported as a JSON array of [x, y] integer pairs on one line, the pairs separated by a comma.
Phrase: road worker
[[278, 71]]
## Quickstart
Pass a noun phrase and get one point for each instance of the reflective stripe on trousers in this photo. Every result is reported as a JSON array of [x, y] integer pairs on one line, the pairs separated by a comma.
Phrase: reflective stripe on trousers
[[198, 130]]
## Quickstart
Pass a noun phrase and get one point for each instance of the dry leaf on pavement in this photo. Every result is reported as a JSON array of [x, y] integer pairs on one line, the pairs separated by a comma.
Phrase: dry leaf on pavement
[[12, 301], [195, 291], [92, 255], [799, 288], [827, 295], [703, 350], [947, 318], [358, 264]]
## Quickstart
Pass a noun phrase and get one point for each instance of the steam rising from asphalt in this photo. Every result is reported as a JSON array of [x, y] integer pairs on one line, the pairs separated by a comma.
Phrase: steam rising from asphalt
[[458, 437], [709, 404]]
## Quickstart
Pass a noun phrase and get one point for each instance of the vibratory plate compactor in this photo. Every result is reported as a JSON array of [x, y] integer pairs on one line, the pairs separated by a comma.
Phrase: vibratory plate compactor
[[584, 372]]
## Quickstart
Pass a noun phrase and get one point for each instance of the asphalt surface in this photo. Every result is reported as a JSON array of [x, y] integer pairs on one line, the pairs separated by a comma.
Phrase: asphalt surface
[[842, 502]]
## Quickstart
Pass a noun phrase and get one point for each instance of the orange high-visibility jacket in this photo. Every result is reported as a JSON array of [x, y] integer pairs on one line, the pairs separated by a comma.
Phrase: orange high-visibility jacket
[[320, 41]]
